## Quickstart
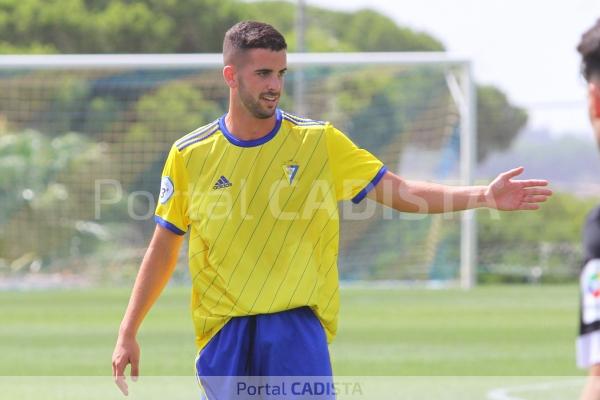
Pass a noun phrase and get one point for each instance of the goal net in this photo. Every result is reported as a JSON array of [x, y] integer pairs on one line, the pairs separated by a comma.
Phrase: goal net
[[83, 140]]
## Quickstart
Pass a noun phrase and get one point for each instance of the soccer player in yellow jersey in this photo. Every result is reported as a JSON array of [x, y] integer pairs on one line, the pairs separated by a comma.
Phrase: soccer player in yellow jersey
[[257, 190]]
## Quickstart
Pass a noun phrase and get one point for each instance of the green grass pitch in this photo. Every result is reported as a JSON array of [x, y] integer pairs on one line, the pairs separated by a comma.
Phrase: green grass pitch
[[503, 330]]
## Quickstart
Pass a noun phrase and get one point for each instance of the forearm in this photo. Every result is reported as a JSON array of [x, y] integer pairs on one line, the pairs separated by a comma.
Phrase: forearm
[[425, 197], [438, 198], [155, 271]]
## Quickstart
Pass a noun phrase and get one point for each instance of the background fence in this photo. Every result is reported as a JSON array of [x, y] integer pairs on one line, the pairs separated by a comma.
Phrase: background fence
[[82, 148]]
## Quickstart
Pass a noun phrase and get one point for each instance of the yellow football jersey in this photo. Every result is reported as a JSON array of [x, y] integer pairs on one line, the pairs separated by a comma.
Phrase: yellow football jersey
[[262, 217]]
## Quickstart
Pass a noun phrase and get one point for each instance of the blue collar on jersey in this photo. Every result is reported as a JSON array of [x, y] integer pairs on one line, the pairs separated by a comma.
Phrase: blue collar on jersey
[[254, 142]]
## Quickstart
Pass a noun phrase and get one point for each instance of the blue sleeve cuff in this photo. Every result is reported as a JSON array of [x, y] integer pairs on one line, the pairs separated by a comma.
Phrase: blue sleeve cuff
[[363, 193], [168, 225]]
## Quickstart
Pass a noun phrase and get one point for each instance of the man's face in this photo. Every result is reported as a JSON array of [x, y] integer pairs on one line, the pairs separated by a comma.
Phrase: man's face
[[260, 80]]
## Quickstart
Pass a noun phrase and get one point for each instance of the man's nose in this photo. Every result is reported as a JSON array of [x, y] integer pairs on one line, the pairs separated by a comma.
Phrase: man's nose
[[275, 84]]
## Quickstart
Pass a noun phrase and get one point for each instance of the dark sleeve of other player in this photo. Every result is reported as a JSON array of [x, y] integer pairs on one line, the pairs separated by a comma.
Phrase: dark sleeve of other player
[[591, 251], [591, 235]]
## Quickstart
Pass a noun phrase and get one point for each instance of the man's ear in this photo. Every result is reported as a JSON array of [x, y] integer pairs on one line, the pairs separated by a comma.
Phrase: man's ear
[[594, 98], [229, 76]]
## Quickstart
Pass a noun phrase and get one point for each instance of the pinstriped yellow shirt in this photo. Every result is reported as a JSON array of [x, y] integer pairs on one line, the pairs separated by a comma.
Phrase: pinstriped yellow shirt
[[262, 217]]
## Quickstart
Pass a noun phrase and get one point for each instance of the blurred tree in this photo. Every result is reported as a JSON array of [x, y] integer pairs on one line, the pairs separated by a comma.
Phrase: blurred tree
[[91, 26], [369, 30], [510, 245], [405, 98], [518, 240], [116, 26], [498, 121], [32, 48], [328, 30], [171, 111], [40, 189], [65, 25], [131, 27], [197, 26], [109, 26]]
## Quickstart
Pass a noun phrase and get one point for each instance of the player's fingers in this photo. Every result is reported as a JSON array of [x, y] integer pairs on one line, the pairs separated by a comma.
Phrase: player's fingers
[[513, 172], [135, 370], [535, 199], [118, 368], [533, 182], [120, 378], [538, 192], [122, 385]]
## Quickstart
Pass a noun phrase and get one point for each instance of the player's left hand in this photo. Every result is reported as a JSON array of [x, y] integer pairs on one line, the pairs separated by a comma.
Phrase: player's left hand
[[127, 351], [507, 194]]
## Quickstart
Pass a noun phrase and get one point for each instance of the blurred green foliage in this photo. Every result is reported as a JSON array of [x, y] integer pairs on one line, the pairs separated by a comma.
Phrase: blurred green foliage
[[389, 103], [40, 192], [119, 117], [172, 26], [548, 239], [513, 247], [190, 26], [31, 164], [498, 121], [525, 246], [327, 30], [174, 109]]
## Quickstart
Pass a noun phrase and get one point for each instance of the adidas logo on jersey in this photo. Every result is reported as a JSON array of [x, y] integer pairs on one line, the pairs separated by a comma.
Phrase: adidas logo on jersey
[[222, 183]]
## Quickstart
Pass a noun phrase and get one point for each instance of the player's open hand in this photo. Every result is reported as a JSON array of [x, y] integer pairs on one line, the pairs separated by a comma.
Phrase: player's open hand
[[507, 194], [127, 351]]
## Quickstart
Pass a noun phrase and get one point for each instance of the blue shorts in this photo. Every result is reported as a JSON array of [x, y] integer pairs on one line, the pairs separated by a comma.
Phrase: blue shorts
[[286, 344]]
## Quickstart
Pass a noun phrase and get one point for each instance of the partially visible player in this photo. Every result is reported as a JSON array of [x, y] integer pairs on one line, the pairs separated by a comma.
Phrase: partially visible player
[[588, 342]]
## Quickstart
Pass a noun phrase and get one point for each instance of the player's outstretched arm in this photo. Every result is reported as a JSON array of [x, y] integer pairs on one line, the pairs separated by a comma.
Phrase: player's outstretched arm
[[503, 193], [156, 270]]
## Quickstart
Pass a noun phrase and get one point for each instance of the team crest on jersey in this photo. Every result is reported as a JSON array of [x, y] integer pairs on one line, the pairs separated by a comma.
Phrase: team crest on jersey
[[166, 190], [290, 169]]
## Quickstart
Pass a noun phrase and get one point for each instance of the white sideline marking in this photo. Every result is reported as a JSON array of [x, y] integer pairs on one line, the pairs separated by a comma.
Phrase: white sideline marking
[[505, 393]]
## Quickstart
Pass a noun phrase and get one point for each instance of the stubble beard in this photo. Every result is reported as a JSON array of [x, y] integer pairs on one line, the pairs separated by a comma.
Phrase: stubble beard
[[253, 105]]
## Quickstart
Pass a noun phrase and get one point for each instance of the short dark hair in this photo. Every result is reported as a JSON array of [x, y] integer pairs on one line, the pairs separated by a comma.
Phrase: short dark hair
[[589, 48], [247, 35]]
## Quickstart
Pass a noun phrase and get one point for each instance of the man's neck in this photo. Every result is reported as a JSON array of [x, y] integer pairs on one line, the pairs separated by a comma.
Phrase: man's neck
[[246, 126]]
